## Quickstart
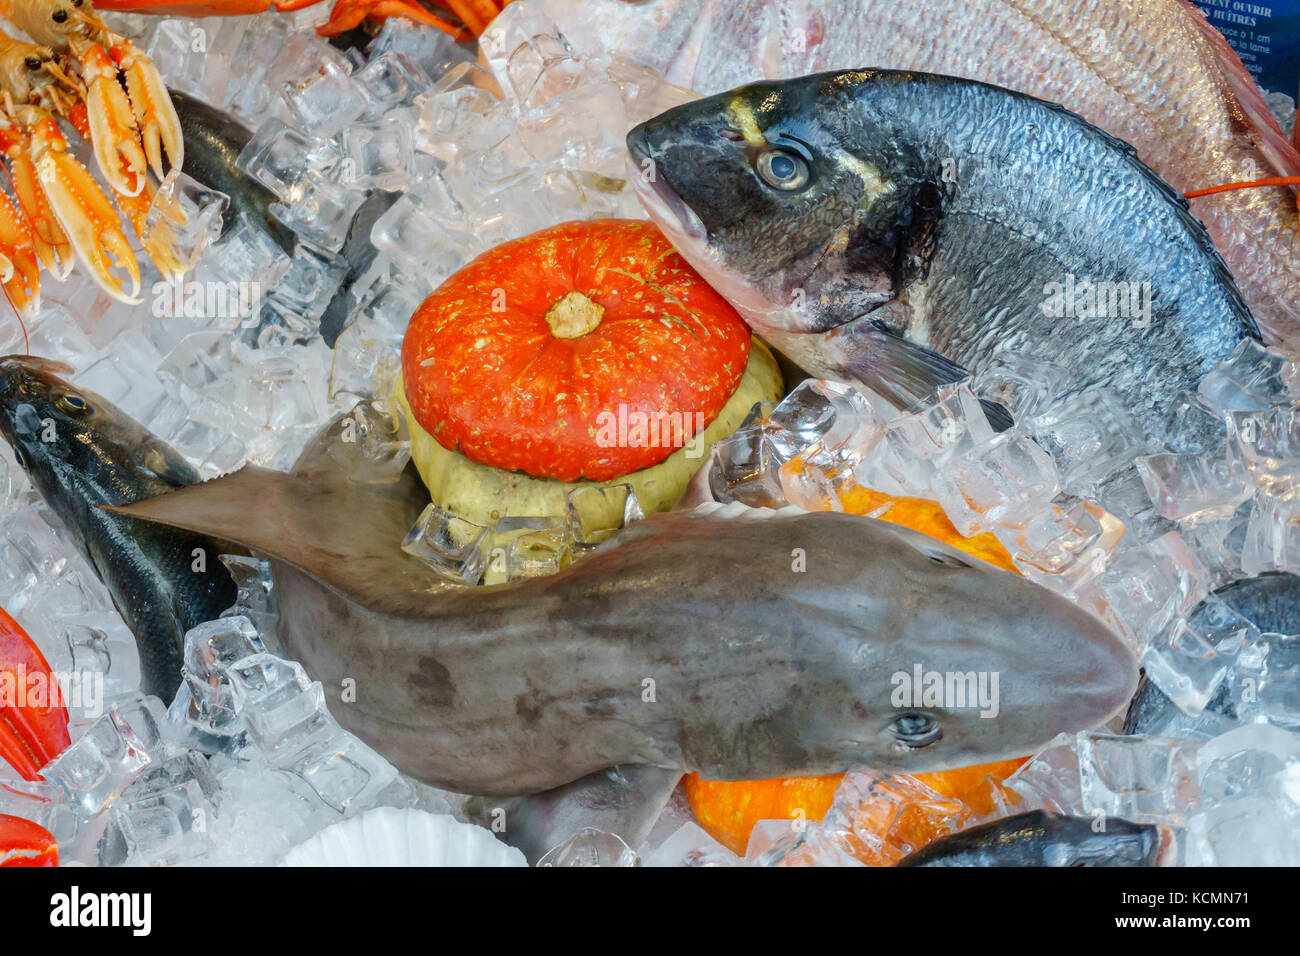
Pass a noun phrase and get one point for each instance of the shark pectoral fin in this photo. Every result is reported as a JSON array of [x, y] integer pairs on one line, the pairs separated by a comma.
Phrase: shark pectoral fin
[[902, 372], [625, 801]]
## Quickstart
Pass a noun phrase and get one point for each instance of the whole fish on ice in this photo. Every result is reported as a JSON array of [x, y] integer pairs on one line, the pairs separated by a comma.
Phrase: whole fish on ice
[[81, 452], [899, 229], [1154, 73], [690, 644]]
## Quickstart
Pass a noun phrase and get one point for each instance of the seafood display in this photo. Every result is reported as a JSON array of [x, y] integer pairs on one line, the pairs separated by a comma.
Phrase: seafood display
[[664, 433]]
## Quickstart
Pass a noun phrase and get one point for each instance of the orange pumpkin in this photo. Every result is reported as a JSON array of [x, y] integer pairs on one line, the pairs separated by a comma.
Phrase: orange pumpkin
[[588, 350], [729, 810]]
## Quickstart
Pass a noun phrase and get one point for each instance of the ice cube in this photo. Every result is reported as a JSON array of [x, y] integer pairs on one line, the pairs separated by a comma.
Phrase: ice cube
[[598, 512], [1022, 385], [1272, 540], [1265, 683], [328, 102], [1003, 482], [377, 155], [163, 818], [1050, 780], [432, 51], [111, 754], [314, 278], [274, 157], [810, 487], [1064, 548], [591, 847], [880, 818], [1189, 661], [1250, 832], [832, 424], [321, 210], [345, 773], [1145, 590], [390, 79], [211, 650], [1265, 444], [690, 846], [1089, 434], [1192, 427], [538, 553], [1184, 486], [1251, 377], [540, 69], [278, 703], [1254, 760], [1141, 779], [745, 467], [453, 546]]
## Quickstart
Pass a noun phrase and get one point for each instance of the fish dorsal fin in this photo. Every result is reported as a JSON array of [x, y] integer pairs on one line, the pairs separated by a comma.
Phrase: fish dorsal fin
[[344, 534]]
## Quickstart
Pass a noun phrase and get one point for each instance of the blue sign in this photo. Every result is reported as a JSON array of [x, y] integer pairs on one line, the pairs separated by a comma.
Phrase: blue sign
[[1266, 35]]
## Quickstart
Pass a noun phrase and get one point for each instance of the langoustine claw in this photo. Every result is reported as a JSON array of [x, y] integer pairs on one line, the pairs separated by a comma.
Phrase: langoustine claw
[[92, 225], [113, 131], [131, 124], [20, 273]]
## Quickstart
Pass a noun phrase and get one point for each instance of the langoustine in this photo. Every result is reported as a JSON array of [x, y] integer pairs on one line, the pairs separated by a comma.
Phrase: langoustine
[[57, 208]]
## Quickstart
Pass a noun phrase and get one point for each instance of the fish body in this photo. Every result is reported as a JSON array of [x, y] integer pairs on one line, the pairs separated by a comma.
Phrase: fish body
[[1154, 73], [690, 643], [901, 229], [80, 453], [1271, 602], [1046, 839], [213, 141]]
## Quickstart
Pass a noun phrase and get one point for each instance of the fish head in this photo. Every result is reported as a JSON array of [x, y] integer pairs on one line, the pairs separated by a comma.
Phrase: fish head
[[963, 663], [798, 201], [76, 446]]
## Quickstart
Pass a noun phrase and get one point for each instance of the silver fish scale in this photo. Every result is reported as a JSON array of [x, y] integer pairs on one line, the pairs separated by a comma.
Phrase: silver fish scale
[[1091, 211]]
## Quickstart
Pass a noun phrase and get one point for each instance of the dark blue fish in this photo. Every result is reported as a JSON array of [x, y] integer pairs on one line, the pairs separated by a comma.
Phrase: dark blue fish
[[81, 452]]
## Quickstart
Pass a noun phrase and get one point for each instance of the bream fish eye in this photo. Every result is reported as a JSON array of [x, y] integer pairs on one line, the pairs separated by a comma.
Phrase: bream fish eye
[[915, 729], [782, 169]]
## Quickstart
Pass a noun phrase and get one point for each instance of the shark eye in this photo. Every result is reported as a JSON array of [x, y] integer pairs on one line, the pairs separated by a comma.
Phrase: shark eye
[[20, 456], [915, 730], [946, 559], [73, 404], [782, 169]]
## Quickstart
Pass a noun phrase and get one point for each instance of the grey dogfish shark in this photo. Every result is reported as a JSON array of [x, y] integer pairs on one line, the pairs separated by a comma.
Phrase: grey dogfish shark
[[1038, 838], [902, 230], [689, 643], [81, 452]]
